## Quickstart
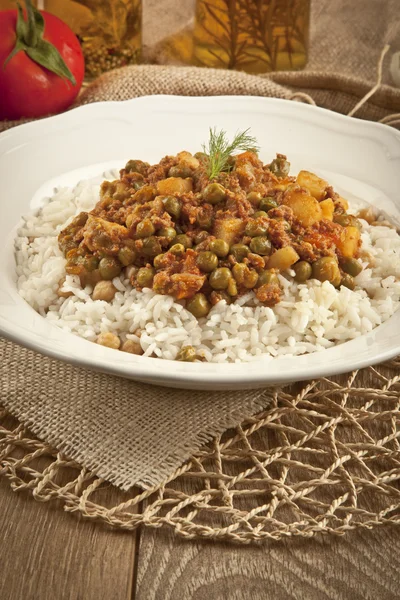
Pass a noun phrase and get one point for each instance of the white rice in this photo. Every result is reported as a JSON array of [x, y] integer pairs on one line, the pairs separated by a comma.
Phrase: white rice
[[310, 317]]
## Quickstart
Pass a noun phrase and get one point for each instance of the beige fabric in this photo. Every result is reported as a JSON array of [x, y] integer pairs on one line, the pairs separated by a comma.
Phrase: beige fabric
[[143, 80], [131, 433], [126, 432]]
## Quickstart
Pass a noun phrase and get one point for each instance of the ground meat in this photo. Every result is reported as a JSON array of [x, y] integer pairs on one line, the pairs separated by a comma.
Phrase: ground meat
[[269, 294], [305, 250], [282, 212], [323, 237], [278, 233], [160, 171]]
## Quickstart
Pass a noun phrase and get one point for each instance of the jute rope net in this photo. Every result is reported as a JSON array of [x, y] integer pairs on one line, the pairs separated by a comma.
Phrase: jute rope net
[[323, 458]]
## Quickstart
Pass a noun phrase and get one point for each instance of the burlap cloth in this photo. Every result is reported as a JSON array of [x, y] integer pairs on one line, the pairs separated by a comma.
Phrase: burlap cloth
[[321, 457]]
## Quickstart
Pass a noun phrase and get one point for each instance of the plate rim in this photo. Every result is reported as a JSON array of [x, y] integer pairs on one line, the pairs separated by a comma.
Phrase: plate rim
[[193, 378]]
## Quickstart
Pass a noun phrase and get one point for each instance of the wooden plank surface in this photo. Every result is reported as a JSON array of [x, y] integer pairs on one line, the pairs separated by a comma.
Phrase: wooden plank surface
[[47, 554], [363, 565]]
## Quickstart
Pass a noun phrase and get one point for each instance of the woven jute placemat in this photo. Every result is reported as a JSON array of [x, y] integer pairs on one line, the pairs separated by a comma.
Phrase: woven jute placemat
[[319, 457], [323, 458]]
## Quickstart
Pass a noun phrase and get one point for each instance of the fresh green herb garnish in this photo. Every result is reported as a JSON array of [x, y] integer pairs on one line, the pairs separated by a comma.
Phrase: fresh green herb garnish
[[219, 149]]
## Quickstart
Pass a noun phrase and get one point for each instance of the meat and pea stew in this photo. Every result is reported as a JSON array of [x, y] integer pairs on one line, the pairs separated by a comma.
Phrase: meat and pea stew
[[212, 226]]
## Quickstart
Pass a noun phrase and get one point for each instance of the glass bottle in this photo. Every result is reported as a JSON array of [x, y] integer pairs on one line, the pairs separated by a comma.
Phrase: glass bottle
[[256, 36], [110, 31]]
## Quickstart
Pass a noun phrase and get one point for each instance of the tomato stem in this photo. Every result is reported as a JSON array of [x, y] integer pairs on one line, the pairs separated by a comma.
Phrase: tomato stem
[[31, 35]]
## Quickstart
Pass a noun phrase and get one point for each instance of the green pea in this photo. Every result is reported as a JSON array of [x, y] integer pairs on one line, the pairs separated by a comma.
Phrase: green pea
[[126, 256], [238, 271], [239, 251], [260, 213], [261, 245], [254, 198], [158, 260], [109, 268], [167, 232], [219, 247], [184, 239], [186, 354], [268, 277], [145, 228], [136, 166], [177, 249], [220, 278], [348, 281], [151, 247], [180, 171], [199, 306], [172, 206], [327, 269], [352, 267], [267, 203], [207, 261], [214, 193], [347, 221], [303, 271], [144, 277], [254, 228], [90, 262]]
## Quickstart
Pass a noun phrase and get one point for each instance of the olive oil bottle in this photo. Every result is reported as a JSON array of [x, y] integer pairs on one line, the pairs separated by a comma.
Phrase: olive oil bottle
[[256, 36]]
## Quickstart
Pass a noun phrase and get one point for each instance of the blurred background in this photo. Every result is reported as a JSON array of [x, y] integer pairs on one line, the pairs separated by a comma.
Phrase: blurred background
[[257, 36]]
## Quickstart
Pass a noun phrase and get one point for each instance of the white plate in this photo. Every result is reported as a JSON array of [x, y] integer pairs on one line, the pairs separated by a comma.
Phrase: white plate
[[359, 158]]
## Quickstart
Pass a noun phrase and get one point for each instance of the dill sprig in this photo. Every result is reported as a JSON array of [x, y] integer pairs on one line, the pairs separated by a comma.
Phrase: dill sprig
[[219, 149]]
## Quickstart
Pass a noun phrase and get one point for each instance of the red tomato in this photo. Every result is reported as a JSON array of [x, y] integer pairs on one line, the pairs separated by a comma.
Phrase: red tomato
[[28, 89]]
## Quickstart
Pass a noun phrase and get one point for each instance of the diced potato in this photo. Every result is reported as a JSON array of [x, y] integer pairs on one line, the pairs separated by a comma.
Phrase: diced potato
[[283, 259], [305, 207], [228, 229], [174, 185], [283, 184], [342, 202], [348, 245], [187, 160], [328, 208], [314, 184]]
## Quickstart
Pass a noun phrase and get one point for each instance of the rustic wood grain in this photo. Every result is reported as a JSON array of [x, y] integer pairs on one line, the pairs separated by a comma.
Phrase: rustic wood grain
[[363, 565], [47, 554]]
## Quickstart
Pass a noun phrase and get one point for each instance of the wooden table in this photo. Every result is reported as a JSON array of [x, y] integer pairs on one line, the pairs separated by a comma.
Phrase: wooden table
[[47, 554]]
